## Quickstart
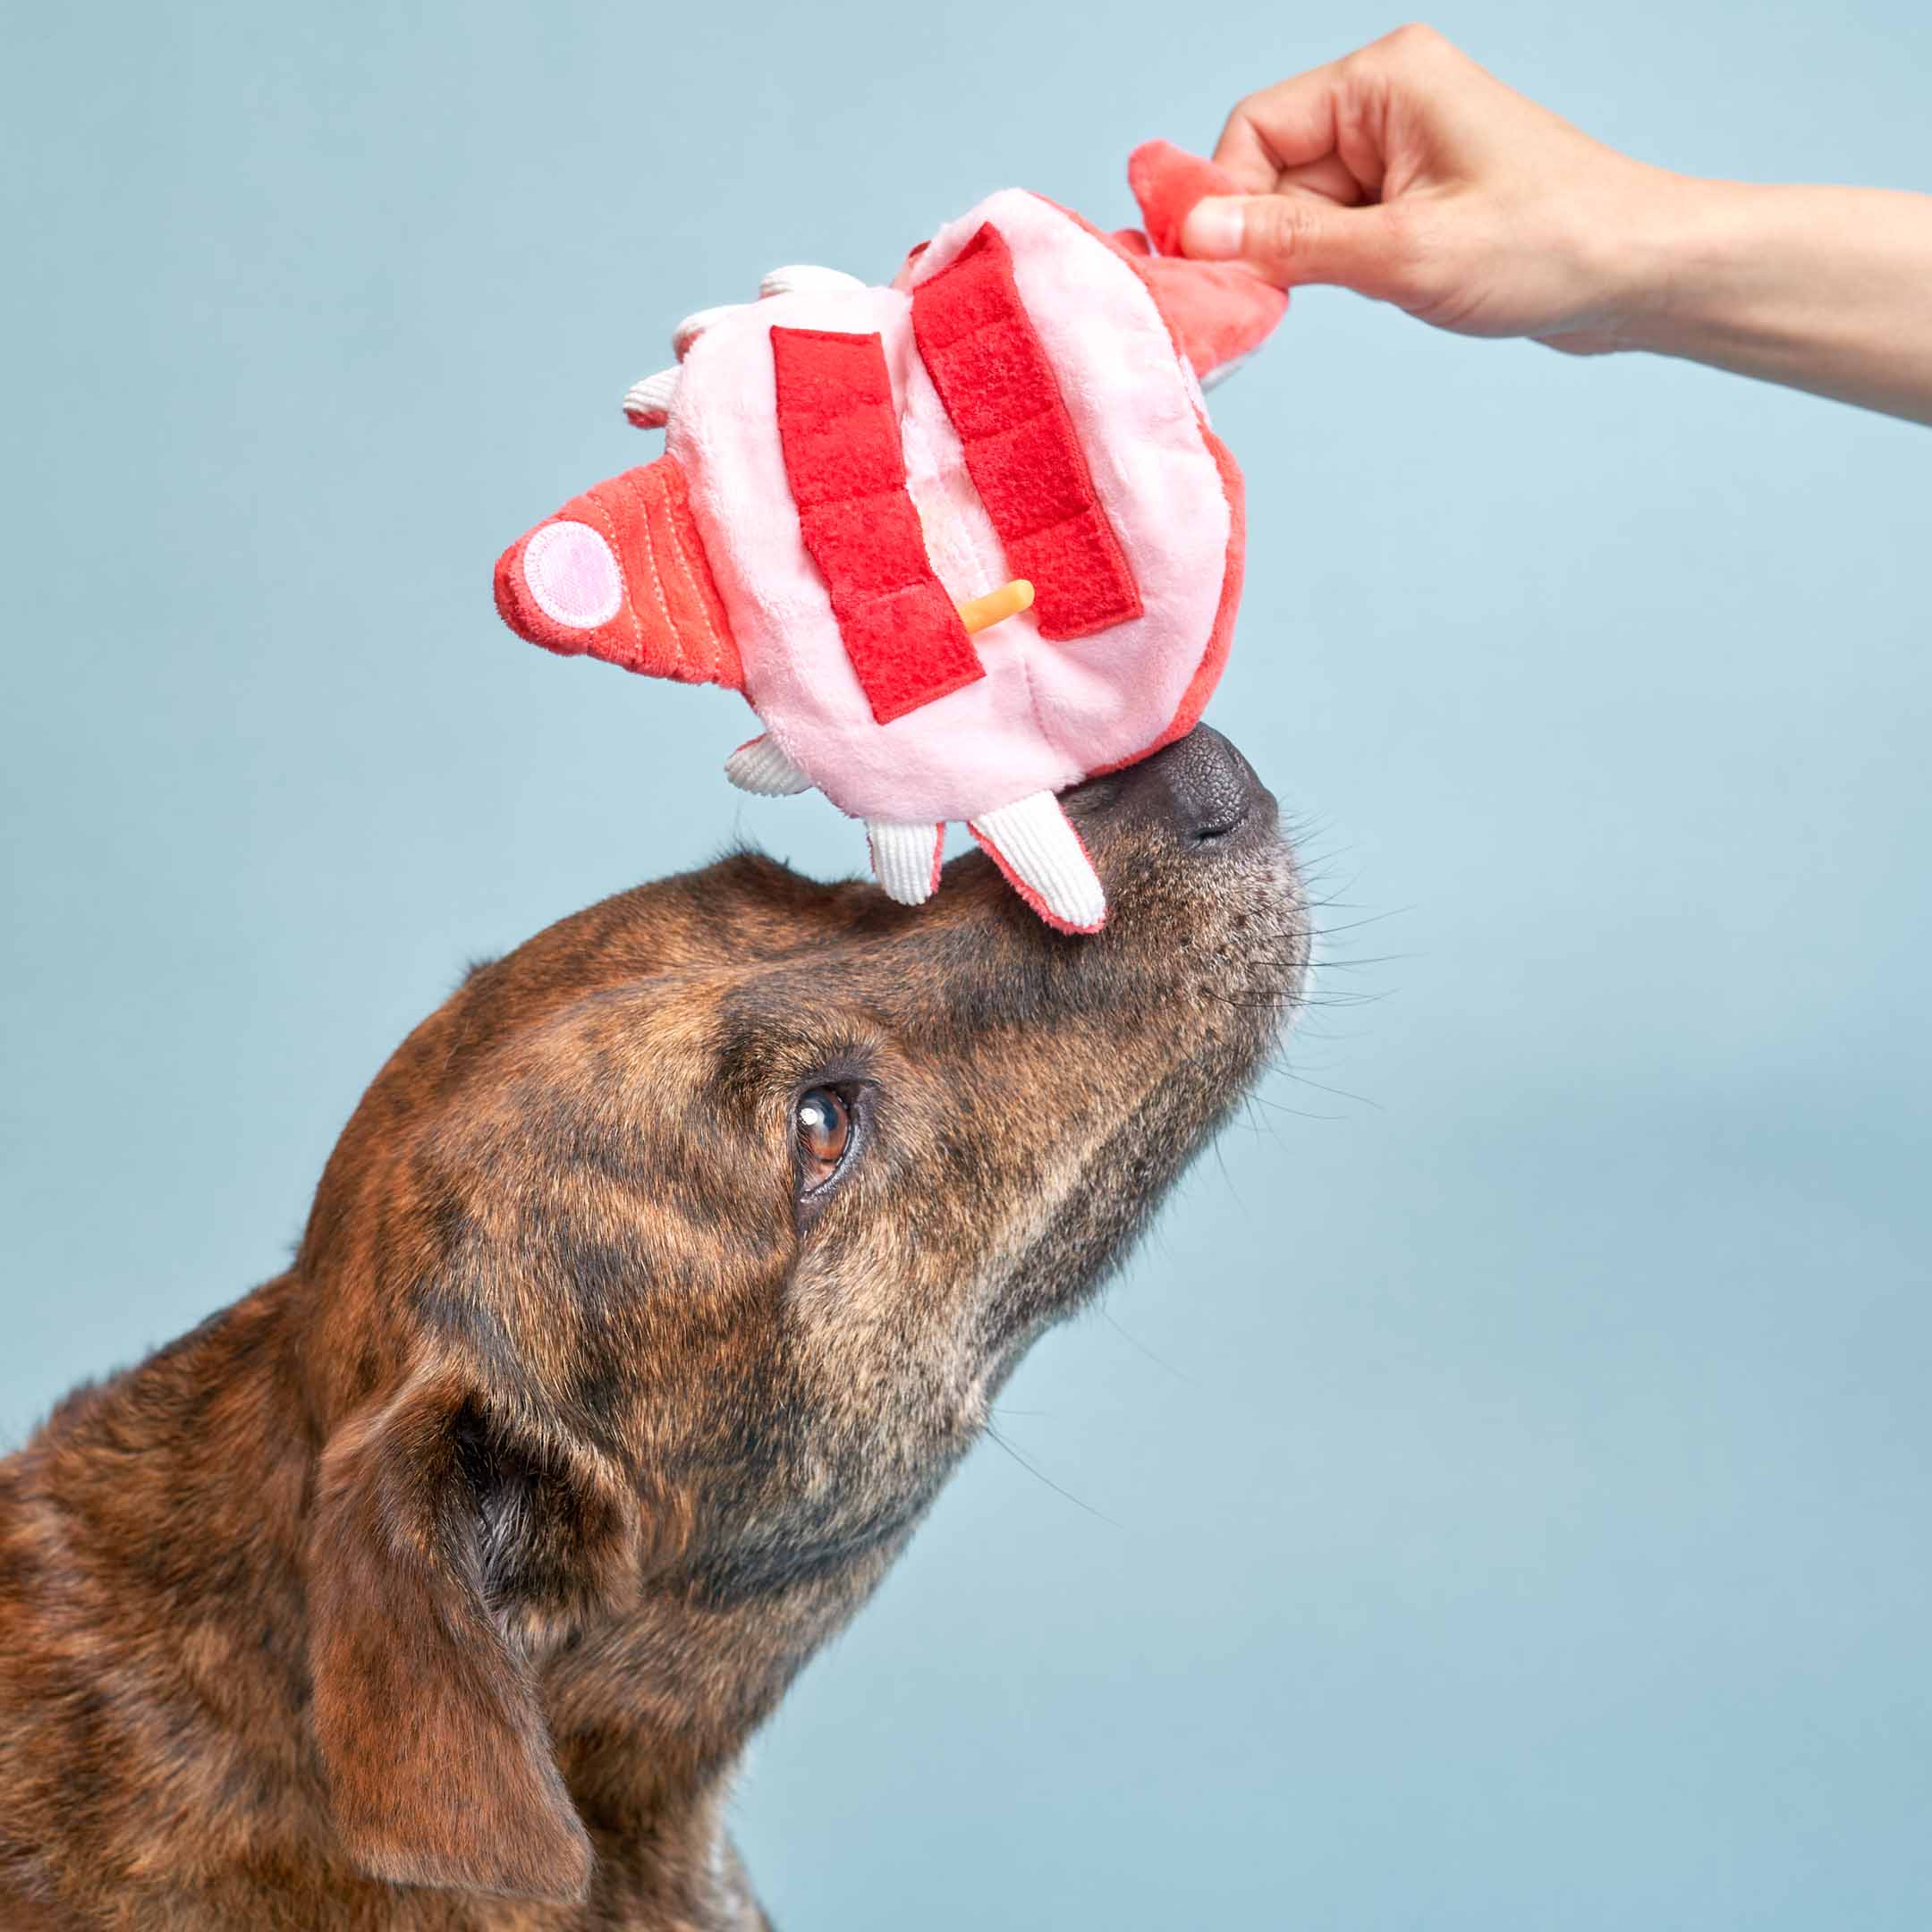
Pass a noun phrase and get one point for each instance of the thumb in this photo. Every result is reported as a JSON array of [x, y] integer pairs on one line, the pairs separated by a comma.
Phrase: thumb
[[1296, 238]]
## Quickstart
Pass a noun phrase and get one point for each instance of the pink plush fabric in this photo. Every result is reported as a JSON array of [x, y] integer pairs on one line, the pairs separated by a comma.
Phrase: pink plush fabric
[[1030, 389], [572, 575], [1045, 713]]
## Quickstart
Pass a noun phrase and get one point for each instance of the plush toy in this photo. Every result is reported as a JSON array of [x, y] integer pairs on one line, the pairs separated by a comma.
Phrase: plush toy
[[961, 542]]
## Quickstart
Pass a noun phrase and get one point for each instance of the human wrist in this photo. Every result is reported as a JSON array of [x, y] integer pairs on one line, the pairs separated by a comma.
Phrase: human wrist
[[1641, 250], [1704, 268]]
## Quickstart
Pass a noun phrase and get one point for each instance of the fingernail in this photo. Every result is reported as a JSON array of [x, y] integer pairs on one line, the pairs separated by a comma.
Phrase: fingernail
[[1213, 230]]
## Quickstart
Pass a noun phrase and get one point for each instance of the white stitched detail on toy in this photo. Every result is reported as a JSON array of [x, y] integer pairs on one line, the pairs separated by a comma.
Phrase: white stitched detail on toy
[[572, 575]]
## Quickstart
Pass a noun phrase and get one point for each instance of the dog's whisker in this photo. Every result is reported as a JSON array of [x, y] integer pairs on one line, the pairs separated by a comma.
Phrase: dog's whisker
[[993, 1434], [1134, 1341]]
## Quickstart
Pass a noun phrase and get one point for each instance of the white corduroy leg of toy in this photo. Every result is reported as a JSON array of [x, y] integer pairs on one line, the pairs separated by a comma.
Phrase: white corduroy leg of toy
[[1032, 843], [797, 277], [905, 859], [648, 403], [762, 769]]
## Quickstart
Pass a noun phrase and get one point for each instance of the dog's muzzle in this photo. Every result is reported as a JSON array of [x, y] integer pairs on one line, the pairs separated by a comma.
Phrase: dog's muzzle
[[1198, 790]]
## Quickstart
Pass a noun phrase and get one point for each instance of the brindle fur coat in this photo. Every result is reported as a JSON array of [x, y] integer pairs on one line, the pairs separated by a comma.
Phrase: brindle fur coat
[[437, 1585]]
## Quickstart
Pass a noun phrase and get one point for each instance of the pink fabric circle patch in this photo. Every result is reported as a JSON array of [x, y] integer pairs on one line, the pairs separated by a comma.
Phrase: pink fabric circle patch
[[572, 575]]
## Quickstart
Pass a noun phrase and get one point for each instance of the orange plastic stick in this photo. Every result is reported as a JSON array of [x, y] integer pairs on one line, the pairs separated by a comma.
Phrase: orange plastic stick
[[1010, 598]]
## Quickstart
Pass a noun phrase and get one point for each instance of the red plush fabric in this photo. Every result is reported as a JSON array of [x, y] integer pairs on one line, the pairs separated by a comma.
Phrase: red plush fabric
[[1213, 660], [669, 622], [1218, 311], [840, 434], [1167, 182], [986, 361]]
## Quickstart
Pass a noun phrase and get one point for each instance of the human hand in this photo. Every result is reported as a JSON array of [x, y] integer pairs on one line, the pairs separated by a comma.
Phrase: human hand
[[1409, 173]]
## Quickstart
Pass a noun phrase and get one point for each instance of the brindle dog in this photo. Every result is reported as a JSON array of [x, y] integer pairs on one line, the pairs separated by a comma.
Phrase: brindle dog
[[650, 1295]]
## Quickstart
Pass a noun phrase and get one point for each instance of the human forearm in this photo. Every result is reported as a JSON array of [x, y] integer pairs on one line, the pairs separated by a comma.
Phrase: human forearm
[[1824, 289]]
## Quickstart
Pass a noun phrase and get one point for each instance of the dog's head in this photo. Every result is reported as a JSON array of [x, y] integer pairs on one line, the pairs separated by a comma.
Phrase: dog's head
[[684, 1247]]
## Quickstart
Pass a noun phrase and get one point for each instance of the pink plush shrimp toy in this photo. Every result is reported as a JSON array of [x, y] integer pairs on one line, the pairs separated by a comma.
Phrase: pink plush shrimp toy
[[961, 542]]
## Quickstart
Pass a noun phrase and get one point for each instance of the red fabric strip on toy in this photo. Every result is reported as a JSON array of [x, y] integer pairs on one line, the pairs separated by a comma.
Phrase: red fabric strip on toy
[[620, 574], [840, 434], [986, 361]]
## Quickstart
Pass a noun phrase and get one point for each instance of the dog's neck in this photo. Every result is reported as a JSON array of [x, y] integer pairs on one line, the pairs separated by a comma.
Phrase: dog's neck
[[648, 1708]]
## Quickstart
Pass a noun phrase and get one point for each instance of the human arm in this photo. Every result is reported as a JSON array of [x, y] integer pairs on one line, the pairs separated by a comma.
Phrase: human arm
[[1407, 173]]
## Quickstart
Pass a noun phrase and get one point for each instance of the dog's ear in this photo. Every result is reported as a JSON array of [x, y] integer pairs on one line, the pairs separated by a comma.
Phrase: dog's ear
[[425, 1710]]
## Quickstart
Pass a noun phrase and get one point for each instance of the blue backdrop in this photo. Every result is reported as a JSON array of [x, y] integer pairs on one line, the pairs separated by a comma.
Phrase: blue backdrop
[[1499, 1493]]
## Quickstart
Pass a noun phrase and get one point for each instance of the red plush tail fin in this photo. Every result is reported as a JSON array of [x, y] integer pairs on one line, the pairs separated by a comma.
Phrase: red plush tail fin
[[620, 573], [1167, 182], [1218, 312]]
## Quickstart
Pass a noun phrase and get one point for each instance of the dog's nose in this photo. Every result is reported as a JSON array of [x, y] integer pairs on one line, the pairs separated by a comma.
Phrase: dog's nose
[[1200, 786]]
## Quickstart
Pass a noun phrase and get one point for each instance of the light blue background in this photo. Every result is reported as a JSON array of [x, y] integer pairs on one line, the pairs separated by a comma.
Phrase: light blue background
[[1504, 1482]]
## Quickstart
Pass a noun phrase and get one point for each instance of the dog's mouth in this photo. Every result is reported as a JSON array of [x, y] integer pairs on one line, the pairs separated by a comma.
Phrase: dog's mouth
[[1189, 844], [1185, 994]]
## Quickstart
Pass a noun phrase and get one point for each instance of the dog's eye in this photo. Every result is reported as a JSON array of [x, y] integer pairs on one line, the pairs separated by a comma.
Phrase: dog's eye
[[823, 1123]]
